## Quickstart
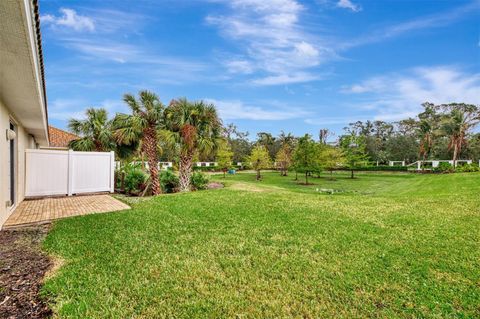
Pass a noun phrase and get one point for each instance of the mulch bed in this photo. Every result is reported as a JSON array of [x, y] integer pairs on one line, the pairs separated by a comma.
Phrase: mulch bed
[[22, 268]]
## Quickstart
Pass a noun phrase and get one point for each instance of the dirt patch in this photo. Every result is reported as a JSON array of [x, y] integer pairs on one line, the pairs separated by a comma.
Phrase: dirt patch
[[22, 268], [215, 185], [247, 187]]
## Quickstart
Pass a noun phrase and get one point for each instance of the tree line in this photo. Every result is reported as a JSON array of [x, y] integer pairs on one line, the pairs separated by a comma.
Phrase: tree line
[[443, 131], [186, 131]]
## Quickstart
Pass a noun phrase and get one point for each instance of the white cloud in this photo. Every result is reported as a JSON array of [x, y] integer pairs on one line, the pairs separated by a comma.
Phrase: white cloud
[[101, 49], [69, 19], [370, 85], [396, 96], [65, 109], [424, 22], [272, 40], [347, 4], [237, 110], [285, 79], [335, 120], [239, 66]]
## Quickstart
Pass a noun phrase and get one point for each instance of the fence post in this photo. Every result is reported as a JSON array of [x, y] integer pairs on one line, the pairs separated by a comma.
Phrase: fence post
[[112, 171], [70, 173]]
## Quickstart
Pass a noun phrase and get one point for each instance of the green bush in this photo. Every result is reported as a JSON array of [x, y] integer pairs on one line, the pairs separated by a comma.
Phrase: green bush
[[376, 168], [199, 180], [468, 168], [206, 168], [168, 181], [135, 180], [444, 167]]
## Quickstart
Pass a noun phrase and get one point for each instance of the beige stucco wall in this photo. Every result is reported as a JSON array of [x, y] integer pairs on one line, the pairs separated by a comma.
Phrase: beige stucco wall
[[23, 141]]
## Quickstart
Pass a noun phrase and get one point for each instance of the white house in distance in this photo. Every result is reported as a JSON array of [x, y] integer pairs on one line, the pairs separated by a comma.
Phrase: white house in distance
[[23, 103]]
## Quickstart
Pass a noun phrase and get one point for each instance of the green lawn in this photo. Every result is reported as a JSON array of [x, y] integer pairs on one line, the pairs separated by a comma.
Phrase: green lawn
[[390, 245]]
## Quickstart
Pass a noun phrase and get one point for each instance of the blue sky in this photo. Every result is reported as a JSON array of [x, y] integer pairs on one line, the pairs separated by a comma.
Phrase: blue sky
[[291, 65]]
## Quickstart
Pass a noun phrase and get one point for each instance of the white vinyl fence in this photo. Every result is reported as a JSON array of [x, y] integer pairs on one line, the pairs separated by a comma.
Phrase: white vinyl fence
[[52, 172]]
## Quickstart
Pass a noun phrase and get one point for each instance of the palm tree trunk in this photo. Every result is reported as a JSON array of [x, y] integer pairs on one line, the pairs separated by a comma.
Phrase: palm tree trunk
[[150, 147], [186, 162], [455, 153]]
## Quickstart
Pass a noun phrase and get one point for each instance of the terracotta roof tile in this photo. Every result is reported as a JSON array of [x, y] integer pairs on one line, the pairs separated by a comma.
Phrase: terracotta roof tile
[[60, 138]]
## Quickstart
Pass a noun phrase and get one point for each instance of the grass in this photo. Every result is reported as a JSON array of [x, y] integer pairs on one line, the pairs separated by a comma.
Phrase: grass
[[390, 245]]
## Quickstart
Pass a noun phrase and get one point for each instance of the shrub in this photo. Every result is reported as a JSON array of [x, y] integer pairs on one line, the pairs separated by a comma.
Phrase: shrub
[[444, 167], [199, 180], [168, 181], [206, 168], [468, 168], [135, 180], [375, 168]]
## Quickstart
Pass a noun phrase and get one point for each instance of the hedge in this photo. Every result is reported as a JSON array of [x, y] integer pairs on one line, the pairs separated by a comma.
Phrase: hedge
[[375, 168]]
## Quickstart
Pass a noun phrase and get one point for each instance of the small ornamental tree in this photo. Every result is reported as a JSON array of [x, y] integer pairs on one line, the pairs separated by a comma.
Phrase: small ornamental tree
[[284, 159], [224, 157], [354, 149], [259, 159], [306, 156], [331, 157]]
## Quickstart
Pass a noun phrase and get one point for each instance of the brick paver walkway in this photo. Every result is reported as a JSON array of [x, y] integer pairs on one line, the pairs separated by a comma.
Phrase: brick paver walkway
[[43, 210]]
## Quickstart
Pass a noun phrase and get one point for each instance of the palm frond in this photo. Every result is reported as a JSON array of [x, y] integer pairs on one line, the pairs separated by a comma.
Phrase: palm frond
[[84, 144]]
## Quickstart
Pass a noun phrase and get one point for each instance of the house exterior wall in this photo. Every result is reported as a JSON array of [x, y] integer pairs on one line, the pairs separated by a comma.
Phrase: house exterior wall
[[22, 141]]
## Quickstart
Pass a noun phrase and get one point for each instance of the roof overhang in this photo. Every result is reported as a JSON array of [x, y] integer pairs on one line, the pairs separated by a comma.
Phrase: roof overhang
[[22, 85]]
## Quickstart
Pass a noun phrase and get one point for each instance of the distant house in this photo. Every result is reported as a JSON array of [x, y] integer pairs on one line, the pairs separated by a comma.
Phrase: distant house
[[23, 102], [59, 139]]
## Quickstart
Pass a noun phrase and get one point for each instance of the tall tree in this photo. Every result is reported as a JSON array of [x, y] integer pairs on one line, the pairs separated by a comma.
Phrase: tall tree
[[269, 142], [286, 139], [142, 125], [224, 156], [427, 129], [459, 119], [323, 135], [473, 147], [239, 143], [259, 159], [94, 131], [306, 158], [196, 128]]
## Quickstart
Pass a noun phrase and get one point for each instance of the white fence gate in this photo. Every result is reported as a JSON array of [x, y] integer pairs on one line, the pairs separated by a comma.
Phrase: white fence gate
[[52, 172]]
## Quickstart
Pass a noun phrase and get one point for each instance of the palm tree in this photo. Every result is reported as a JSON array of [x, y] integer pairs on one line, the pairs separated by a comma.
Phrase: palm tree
[[142, 127], [456, 125], [426, 134], [427, 128], [94, 131], [196, 128]]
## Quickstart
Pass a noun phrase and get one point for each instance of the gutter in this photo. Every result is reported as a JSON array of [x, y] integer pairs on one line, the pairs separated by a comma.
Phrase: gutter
[[40, 58]]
